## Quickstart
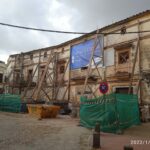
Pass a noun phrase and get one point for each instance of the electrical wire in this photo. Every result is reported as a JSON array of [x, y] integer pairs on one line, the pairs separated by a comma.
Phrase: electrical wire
[[42, 30], [69, 32]]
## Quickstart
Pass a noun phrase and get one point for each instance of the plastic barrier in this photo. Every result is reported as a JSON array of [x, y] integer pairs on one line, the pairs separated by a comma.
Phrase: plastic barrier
[[114, 112], [10, 103]]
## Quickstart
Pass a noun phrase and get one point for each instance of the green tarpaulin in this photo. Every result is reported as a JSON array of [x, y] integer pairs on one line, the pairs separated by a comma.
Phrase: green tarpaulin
[[114, 112], [10, 103]]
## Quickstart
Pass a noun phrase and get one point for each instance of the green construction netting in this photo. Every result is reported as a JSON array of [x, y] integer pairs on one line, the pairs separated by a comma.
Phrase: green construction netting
[[114, 112], [10, 103]]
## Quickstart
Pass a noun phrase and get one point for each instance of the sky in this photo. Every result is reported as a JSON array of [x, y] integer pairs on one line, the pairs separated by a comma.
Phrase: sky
[[68, 15]]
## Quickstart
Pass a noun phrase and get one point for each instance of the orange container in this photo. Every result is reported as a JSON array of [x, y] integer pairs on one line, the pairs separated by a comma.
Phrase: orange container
[[43, 111]]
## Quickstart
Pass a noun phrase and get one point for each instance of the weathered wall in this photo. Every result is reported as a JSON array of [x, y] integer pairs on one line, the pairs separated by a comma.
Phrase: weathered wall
[[111, 42]]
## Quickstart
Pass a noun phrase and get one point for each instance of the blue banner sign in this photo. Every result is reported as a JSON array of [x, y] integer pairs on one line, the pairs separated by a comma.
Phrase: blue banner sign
[[81, 53]]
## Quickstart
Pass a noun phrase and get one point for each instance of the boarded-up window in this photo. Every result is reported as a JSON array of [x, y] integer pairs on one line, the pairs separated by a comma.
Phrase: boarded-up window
[[17, 77], [31, 56], [109, 57], [123, 57], [123, 90], [1, 77], [62, 68], [30, 72], [45, 54], [42, 68]]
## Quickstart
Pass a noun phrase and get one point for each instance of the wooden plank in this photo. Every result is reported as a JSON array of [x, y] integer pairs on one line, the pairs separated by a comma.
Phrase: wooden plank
[[133, 68], [36, 94], [90, 63], [65, 92], [140, 65], [39, 65], [69, 79], [54, 76], [29, 83], [96, 89], [92, 91], [97, 69], [62, 79], [46, 94], [49, 77]]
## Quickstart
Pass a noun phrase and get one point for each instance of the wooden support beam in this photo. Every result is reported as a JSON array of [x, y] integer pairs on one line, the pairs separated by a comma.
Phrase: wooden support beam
[[133, 68], [29, 83], [36, 94], [39, 65], [49, 89], [96, 89], [54, 75], [46, 94], [97, 69], [134, 63], [49, 78], [92, 91], [58, 87], [21, 72], [140, 64], [90, 62], [69, 77], [65, 92]]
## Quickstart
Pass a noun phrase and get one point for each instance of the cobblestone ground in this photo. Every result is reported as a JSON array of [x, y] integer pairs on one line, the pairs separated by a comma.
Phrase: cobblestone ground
[[23, 132]]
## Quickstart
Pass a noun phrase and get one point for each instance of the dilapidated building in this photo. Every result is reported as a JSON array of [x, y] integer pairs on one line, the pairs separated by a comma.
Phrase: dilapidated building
[[59, 72], [3, 67]]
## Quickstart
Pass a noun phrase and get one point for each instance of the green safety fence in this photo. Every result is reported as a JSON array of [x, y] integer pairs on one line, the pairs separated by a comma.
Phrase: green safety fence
[[10, 103], [114, 112]]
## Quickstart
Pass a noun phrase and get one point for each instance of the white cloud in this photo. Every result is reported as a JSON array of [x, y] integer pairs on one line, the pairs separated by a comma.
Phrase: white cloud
[[69, 15]]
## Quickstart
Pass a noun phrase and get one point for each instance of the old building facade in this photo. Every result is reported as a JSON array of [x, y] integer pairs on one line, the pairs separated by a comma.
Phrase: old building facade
[[3, 67], [126, 63]]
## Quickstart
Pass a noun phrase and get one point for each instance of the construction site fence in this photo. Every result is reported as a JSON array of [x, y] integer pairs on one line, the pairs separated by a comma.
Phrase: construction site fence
[[114, 112], [10, 103]]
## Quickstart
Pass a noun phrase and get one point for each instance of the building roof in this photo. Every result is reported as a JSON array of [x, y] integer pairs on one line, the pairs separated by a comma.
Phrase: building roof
[[131, 18]]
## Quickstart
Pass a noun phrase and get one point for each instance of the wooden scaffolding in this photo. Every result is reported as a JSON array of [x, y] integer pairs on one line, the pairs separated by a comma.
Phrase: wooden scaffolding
[[51, 87]]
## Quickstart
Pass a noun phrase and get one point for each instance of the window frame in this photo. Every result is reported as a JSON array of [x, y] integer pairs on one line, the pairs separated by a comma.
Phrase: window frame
[[127, 51], [31, 56], [45, 55], [1, 77], [60, 69]]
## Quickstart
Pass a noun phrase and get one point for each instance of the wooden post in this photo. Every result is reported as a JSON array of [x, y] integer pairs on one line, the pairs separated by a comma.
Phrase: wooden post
[[54, 82], [36, 94], [138, 52], [13, 83], [69, 78], [128, 147], [140, 64], [96, 136], [29, 83], [46, 94], [97, 69], [39, 66], [133, 68], [62, 79], [65, 92], [92, 91], [90, 63], [21, 72], [103, 52]]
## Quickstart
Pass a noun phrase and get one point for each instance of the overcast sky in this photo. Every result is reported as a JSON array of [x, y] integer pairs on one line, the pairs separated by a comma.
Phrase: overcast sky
[[70, 15]]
